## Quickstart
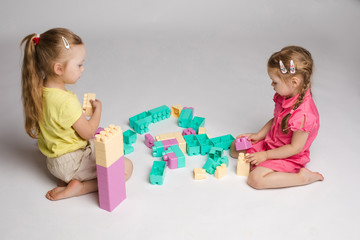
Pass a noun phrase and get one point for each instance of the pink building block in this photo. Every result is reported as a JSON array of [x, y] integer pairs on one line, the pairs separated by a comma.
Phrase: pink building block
[[242, 144], [189, 131], [149, 141], [111, 184], [171, 160], [169, 142]]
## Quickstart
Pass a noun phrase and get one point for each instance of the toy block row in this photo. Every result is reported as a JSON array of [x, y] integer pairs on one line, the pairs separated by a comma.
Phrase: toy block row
[[109, 145], [215, 159], [242, 143], [177, 136], [157, 173], [174, 157], [111, 184], [223, 142], [87, 107], [140, 123], [160, 146]]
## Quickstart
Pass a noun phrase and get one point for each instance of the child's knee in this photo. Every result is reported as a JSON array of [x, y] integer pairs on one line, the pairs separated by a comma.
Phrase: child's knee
[[254, 181], [128, 168]]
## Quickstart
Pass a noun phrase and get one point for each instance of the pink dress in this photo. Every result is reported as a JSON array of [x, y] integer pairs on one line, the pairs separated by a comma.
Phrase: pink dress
[[276, 138]]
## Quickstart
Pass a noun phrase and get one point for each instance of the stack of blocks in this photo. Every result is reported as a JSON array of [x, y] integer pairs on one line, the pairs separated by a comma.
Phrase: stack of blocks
[[87, 107], [110, 167]]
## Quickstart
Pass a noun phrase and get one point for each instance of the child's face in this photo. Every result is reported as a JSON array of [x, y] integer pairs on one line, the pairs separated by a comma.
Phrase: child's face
[[74, 66], [284, 89]]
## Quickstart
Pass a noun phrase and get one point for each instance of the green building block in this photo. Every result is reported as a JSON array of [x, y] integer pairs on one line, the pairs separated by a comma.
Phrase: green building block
[[157, 173], [128, 149], [197, 122], [216, 153], [129, 137], [185, 118], [192, 145], [223, 142], [140, 122], [211, 164], [160, 113], [205, 143], [158, 149]]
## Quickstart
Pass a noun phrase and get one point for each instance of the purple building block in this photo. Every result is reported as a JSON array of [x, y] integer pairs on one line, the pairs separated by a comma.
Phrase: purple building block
[[169, 142], [242, 143], [111, 184], [188, 131], [171, 160], [149, 141]]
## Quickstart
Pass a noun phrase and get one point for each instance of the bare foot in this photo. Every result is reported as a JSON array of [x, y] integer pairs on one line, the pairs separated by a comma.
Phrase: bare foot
[[309, 176], [72, 189]]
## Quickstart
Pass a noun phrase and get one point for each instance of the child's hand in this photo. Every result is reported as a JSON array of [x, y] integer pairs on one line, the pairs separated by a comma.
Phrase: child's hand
[[96, 104], [256, 158], [253, 137]]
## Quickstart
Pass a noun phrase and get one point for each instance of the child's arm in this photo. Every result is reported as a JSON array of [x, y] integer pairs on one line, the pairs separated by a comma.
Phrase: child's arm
[[87, 128], [298, 141], [255, 137]]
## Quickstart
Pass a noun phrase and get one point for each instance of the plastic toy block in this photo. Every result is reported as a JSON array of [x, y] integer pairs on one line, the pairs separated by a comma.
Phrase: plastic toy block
[[171, 160], [179, 154], [224, 141], [205, 143], [197, 122], [176, 110], [199, 173], [158, 149], [149, 140], [192, 145], [211, 164], [243, 168], [160, 113], [140, 122], [111, 184], [157, 173], [221, 171], [177, 135], [193, 111], [202, 130], [185, 117], [169, 142], [129, 137], [242, 144], [216, 153], [98, 131], [188, 131], [128, 149], [109, 145], [87, 107]]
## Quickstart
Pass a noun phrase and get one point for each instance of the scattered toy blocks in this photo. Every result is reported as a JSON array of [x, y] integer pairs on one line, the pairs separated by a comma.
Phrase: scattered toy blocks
[[176, 110], [188, 131], [157, 173], [243, 167], [177, 135], [185, 117], [197, 122], [87, 107], [223, 142], [169, 142], [221, 171], [149, 141], [199, 173], [129, 137], [160, 113], [242, 143], [192, 145]]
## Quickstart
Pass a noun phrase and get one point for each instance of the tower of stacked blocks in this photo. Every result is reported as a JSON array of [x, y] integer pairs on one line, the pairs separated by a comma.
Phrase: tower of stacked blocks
[[109, 151]]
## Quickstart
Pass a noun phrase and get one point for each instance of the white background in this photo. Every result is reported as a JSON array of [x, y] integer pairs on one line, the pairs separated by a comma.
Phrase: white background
[[206, 54]]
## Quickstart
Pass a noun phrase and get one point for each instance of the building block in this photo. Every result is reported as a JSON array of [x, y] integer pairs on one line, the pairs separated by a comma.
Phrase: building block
[[158, 149], [111, 184], [193, 111], [109, 145], [188, 131], [157, 173], [223, 142], [160, 113], [197, 122], [169, 142], [179, 154], [216, 153], [221, 171], [211, 164], [171, 160], [205, 143], [202, 130], [242, 143], [176, 110], [87, 107], [140, 123], [177, 135], [199, 173], [149, 141], [243, 167], [192, 145], [185, 117], [129, 137], [128, 149]]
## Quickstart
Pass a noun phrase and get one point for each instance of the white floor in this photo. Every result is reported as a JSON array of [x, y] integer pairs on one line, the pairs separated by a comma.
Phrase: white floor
[[210, 55]]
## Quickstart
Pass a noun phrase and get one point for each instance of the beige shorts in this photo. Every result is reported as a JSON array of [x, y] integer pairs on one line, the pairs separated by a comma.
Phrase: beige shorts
[[79, 164]]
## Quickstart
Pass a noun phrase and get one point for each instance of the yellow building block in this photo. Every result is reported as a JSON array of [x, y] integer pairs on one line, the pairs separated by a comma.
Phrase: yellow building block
[[87, 107], [202, 130], [199, 173], [243, 168], [176, 110], [179, 137], [221, 171], [109, 146]]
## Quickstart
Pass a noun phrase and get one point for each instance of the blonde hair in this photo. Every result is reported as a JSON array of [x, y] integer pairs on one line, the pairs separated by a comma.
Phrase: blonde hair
[[303, 66], [37, 65]]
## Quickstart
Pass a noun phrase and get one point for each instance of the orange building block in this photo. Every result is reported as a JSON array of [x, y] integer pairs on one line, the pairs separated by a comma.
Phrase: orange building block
[[199, 173], [87, 107], [176, 110], [221, 171], [243, 168]]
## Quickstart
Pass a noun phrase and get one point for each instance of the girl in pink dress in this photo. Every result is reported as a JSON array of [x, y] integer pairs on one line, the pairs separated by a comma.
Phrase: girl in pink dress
[[280, 149]]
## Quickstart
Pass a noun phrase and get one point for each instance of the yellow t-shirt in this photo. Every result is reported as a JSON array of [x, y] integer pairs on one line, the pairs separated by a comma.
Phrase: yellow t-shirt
[[61, 109]]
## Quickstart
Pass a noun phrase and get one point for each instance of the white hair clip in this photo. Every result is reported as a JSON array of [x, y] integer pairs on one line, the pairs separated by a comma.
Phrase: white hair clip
[[66, 43], [282, 67], [292, 67]]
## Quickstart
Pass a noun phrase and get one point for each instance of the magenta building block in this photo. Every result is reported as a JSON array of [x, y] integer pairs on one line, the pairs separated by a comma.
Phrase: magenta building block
[[169, 142], [172, 160], [98, 131], [242, 143], [149, 141], [188, 131], [111, 184]]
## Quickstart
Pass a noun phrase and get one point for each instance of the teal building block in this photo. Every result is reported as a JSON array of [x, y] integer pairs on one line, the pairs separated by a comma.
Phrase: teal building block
[[128, 149], [223, 142], [211, 164], [140, 122], [192, 145], [205, 143], [179, 154], [129, 137], [216, 153], [197, 122], [160, 113], [185, 118], [157, 173], [158, 149]]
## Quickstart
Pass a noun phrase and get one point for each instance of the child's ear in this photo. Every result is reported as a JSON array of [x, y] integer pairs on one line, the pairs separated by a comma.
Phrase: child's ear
[[295, 82], [58, 69]]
